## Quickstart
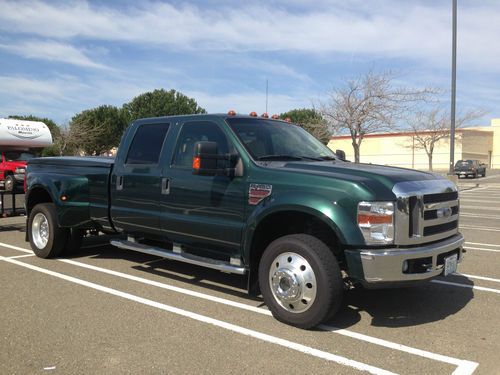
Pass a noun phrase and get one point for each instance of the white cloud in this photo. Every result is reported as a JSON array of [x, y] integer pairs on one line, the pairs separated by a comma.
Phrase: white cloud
[[52, 51], [384, 28]]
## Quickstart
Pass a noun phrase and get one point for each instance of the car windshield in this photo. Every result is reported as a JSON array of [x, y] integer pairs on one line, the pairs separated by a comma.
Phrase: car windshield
[[18, 156], [278, 140], [463, 163]]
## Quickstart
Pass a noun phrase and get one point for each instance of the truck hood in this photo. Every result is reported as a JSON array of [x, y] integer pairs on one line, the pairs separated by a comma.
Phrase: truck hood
[[361, 173]]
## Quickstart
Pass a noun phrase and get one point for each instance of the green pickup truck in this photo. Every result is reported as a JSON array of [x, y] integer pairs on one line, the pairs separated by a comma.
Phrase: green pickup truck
[[252, 196]]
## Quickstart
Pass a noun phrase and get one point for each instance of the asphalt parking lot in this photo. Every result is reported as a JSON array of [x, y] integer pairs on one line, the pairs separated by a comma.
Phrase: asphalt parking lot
[[105, 310]]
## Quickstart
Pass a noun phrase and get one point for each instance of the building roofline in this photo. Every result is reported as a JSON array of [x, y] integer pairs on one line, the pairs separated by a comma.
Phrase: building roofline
[[399, 134]]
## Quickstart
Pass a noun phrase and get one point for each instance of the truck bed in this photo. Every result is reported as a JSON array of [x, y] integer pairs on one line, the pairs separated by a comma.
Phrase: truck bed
[[84, 183]]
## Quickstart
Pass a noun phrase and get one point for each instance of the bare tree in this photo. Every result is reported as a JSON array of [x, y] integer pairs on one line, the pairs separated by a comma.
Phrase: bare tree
[[369, 104], [429, 127]]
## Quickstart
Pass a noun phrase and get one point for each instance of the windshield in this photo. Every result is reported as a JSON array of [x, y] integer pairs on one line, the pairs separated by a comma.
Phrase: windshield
[[463, 163], [277, 140], [18, 156]]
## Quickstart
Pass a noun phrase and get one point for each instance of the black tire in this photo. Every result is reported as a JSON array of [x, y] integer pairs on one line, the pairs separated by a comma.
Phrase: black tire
[[10, 183], [325, 268], [50, 241]]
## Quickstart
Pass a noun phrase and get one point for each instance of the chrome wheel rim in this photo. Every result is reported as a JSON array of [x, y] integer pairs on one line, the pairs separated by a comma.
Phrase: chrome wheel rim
[[9, 185], [40, 230], [293, 282]]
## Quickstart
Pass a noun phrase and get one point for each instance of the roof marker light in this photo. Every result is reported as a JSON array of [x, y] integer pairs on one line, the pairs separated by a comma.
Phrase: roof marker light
[[275, 117], [253, 114], [289, 120], [231, 112], [264, 115]]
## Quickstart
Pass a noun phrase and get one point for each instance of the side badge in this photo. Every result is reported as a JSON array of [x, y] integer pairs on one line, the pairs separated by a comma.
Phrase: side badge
[[257, 192]]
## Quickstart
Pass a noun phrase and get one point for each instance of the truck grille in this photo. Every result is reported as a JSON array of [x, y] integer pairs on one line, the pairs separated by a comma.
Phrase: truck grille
[[428, 209]]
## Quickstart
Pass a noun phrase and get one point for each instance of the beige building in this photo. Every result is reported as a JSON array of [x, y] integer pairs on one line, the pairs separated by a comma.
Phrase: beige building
[[401, 149]]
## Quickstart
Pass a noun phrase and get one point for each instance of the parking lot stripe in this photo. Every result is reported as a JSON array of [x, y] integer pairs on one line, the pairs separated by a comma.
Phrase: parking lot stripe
[[482, 249], [21, 256], [480, 216], [462, 364], [487, 229], [466, 286], [478, 208], [482, 244], [478, 277], [215, 322]]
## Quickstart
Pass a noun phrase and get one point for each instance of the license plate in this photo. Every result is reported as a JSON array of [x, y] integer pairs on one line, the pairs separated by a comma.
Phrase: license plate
[[450, 264], [463, 173]]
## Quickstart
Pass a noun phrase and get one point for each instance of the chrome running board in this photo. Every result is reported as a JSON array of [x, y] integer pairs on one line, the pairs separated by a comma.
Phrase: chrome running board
[[181, 256]]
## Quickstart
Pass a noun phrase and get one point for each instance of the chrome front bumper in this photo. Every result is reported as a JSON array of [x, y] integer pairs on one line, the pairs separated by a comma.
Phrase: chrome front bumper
[[385, 266]]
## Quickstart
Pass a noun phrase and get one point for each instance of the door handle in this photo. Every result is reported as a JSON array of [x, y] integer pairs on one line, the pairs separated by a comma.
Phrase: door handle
[[119, 182], [165, 186]]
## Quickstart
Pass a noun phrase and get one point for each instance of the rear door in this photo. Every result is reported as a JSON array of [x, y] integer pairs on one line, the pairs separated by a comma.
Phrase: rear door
[[136, 182], [203, 211]]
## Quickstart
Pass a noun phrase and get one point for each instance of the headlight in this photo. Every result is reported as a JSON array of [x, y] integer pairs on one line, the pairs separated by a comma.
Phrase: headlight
[[376, 221], [20, 170]]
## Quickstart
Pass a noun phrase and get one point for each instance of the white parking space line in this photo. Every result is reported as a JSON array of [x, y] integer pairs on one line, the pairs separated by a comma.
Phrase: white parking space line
[[478, 277], [21, 256], [467, 200], [480, 216], [478, 208], [463, 367], [482, 249], [215, 322], [466, 286], [482, 244], [484, 229]]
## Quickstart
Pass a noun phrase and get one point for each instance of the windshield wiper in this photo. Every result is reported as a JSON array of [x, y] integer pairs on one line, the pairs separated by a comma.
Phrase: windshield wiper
[[280, 157], [327, 158]]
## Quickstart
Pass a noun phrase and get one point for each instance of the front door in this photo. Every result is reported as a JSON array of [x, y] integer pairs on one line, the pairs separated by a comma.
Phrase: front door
[[203, 211]]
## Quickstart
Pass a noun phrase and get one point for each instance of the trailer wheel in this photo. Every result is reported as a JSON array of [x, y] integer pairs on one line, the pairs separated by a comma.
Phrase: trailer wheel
[[46, 238], [10, 183], [300, 280]]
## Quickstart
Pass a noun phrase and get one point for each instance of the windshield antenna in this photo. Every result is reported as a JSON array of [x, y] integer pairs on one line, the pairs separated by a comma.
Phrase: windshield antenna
[[267, 92]]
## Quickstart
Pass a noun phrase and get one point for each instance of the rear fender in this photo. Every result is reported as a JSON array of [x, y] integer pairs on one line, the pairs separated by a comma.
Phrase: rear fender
[[69, 194]]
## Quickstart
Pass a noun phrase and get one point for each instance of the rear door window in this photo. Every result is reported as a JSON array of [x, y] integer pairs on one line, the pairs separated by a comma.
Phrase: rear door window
[[147, 144]]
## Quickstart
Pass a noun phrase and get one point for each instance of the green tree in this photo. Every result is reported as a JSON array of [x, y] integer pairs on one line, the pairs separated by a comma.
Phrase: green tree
[[97, 130], [310, 120], [160, 103]]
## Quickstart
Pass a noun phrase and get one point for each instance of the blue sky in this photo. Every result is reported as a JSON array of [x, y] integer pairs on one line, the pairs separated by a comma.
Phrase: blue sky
[[58, 58]]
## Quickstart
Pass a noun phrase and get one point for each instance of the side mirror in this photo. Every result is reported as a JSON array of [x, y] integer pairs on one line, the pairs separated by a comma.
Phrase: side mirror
[[206, 161], [340, 154]]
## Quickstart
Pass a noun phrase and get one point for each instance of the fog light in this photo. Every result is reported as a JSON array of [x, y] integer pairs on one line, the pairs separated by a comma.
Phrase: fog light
[[405, 266]]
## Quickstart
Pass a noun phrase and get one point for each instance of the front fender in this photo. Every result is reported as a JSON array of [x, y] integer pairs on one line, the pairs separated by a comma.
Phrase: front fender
[[331, 213]]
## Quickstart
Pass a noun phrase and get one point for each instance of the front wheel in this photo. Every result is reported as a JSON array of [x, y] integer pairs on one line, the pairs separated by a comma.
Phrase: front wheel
[[46, 238], [300, 280], [10, 183]]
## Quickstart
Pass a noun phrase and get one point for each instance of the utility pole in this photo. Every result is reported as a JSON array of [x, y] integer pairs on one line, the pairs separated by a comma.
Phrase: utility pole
[[453, 86]]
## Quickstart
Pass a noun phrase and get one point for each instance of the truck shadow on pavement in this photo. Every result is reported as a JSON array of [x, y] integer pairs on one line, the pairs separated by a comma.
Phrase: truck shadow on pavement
[[392, 308], [12, 227], [213, 280]]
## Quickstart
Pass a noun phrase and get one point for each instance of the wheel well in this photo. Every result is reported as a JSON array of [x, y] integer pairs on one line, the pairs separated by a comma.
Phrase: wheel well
[[288, 222], [36, 196]]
